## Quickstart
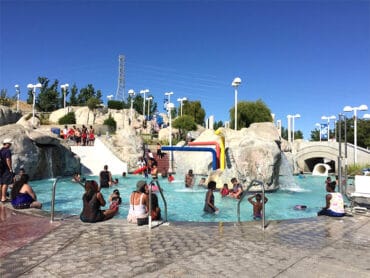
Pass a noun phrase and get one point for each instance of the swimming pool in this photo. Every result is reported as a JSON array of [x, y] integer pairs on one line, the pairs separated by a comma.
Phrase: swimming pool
[[186, 204]]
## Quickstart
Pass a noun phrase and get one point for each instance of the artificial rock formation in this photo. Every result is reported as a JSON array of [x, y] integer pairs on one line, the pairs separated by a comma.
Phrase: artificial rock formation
[[41, 156], [251, 153]]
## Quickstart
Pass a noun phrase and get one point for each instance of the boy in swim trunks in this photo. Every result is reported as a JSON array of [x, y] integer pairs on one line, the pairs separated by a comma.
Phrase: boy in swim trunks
[[257, 205]]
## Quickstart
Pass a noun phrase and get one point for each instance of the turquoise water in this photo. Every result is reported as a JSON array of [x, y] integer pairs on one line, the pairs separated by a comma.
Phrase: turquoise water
[[187, 204]]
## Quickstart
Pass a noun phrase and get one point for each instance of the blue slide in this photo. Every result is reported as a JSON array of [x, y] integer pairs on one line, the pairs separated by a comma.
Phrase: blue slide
[[194, 149]]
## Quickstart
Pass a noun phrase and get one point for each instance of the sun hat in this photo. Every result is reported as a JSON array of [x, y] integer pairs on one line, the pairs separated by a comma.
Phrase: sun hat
[[140, 184], [7, 141]]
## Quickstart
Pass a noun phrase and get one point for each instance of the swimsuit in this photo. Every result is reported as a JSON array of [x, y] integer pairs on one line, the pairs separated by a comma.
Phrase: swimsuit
[[22, 201], [207, 207]]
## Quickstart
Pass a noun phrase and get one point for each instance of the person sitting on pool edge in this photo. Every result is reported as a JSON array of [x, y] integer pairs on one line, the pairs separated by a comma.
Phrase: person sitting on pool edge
[[334, 202], [257, 205], [92, 201], [22, 194]]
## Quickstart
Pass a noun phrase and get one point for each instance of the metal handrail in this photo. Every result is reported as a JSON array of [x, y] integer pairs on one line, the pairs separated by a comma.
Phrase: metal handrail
[[245, 192], [53, 200], [150, 201]]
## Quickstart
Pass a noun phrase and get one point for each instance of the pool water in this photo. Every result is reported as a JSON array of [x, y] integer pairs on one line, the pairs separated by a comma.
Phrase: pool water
[[186, 204]]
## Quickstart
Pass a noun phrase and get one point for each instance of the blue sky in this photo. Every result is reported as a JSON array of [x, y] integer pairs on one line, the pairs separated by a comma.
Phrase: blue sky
[[306, 57]]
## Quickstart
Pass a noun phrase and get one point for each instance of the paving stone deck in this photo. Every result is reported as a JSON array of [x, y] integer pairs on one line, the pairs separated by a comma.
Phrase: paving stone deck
[[316, 247]]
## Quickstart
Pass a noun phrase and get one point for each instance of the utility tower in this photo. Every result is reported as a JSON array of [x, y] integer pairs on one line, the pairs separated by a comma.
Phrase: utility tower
[[120, 93]]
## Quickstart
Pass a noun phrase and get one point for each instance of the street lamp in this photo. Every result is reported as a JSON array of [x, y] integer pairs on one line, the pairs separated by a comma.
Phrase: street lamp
[[293, 117], [236, 83], [181, 100], [149, 99], [328, 118], [64, 89], [319, 125], [362, 107], [169, 107], [17, 92], [144, 92], [110, 97], [33, 87], [289, 128], [131, 92]]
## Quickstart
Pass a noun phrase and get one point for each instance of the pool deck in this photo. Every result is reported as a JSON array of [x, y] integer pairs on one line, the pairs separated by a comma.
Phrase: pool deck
[[31, 246]]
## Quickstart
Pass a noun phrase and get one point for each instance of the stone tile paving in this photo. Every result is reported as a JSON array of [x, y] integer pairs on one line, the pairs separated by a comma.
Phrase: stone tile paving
[[318, 247]]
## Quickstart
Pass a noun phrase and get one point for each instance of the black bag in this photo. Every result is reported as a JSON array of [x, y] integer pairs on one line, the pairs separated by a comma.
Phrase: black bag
[[142, 221]]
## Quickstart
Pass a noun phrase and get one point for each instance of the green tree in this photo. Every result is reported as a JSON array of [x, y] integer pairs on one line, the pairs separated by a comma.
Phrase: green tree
[[315, 135], [86, 93], [363, 131], [92, 103], [111, 123], [4, 99], [138, 104], [194, 109], [250, 112], [73, 98], [48, 99], [217, 125], [185, 124]]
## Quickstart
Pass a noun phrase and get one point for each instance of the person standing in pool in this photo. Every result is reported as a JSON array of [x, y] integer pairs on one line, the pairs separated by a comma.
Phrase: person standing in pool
[[334, 202], [189, 179], [257, 205], [105, 177], [209, 204]]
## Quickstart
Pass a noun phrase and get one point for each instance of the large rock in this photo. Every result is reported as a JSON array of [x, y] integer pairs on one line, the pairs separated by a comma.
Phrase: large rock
[[8, 116], [42, 156], [127, 145]]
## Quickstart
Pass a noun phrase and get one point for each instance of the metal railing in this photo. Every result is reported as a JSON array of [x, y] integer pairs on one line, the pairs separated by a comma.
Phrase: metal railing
[[245, 192], [53, 200], [150, 202]]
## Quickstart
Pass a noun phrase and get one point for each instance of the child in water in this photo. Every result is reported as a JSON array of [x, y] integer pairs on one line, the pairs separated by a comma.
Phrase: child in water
[[209, 205], [225, 190], [115, 200], [257, 205]]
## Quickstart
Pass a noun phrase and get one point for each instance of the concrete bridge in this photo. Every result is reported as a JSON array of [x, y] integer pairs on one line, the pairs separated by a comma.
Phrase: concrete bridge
[[308, 154]]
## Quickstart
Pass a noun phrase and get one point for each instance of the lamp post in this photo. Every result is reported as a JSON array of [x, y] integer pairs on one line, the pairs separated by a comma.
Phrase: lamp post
[[293, 117], [181, 100], [319, 125], [17, 92], [236, 83], [144, 92], [362, 107], [149, 99], [289, 128], [170, 106], [131, 93], [33, 87], [64, 89], [328, 118]]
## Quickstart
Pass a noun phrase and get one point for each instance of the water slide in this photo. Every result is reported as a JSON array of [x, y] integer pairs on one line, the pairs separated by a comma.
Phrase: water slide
[[222, 147], [209, 143], [93, 159], [191, 149]]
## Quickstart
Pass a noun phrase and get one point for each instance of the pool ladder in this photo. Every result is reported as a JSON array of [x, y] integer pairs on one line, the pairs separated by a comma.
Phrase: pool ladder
[[150, 202], [53, 200], [245, 192]]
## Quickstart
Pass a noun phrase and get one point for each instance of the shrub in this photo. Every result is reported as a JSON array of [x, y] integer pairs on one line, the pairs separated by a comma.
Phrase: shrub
[[68, 119], [111, 123], [115, 104]]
